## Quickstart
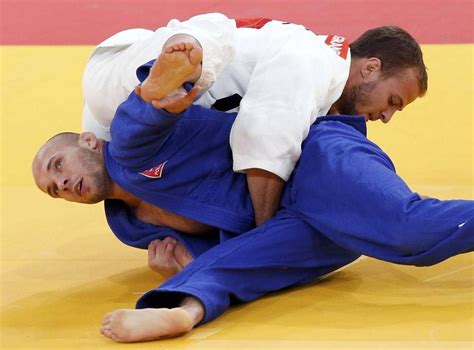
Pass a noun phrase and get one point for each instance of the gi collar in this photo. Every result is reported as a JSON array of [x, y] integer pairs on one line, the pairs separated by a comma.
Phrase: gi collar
[[357, 122]]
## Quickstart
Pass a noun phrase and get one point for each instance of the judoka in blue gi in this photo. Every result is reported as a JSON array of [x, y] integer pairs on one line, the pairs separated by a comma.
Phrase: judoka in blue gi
[[343, 200]]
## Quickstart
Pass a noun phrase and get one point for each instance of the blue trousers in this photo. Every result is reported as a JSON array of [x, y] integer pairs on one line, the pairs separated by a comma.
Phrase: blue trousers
[[344, 199], [284, 252]]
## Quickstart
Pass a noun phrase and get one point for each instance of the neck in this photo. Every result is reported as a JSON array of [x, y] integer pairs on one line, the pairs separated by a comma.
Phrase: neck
[[351, 81], [118, 192]]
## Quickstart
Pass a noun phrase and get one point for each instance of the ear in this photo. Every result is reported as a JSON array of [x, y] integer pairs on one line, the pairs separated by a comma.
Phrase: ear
[[88, 140], [371, 66]]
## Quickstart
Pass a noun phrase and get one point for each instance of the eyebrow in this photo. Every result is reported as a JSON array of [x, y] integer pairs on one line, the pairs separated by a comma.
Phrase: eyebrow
[[49, 163]]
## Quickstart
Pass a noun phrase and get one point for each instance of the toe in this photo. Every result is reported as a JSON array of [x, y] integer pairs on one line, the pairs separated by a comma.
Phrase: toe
[[106, 319], [195, 55], [108, 333]]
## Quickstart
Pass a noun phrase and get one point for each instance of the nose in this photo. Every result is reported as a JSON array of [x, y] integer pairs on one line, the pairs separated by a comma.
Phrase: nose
[[63, 184], [387, 115]]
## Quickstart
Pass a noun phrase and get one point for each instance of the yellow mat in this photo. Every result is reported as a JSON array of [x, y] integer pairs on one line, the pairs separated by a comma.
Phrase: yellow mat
[[62, 268]]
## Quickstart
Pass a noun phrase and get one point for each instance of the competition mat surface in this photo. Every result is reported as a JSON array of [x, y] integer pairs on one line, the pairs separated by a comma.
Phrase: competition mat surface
[[62, 269]]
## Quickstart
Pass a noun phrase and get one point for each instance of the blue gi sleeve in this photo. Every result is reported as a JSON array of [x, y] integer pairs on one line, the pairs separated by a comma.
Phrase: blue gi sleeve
[[135, 233], [138, 132], [144, 70]]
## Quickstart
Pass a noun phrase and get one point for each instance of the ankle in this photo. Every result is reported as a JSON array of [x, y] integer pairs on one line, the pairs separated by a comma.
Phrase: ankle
[[194, 308]]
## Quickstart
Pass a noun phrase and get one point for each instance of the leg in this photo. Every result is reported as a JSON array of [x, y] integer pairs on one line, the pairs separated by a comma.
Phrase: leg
[[283, 252], [347, 188]]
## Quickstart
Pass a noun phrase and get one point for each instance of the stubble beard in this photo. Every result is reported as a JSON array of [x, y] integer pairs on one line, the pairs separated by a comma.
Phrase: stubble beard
[[356, 98], [102, 183]]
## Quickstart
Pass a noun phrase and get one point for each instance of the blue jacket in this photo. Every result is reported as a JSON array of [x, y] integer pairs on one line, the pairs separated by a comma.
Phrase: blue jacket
[[180, 163]]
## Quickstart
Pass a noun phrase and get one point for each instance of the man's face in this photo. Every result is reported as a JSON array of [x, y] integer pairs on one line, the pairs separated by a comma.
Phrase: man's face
[[378, 97], [72, 171]]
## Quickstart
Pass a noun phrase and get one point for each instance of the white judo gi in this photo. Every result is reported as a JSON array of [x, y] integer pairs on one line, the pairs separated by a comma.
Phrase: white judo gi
[[286, 75]]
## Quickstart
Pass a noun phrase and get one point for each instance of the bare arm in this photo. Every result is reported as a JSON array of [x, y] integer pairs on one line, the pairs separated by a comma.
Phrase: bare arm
[[265, 191]]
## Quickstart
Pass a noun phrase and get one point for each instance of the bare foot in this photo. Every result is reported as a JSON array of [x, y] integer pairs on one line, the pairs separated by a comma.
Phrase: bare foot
[[128, 325], [177, 64]]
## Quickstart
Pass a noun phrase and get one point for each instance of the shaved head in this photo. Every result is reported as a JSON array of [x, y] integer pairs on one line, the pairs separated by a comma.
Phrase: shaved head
[[67, 137], [59, 140]]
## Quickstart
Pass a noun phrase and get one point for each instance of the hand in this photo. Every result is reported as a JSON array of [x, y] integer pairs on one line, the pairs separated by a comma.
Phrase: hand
[[167, 257], [175, 103], [161, 257]]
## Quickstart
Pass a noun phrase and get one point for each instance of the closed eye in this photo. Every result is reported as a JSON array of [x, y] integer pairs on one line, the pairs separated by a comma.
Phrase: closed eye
[[395, 102]]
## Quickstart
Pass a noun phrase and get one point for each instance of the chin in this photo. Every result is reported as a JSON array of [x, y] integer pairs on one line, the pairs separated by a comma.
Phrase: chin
[[95, 199], [91, 201]]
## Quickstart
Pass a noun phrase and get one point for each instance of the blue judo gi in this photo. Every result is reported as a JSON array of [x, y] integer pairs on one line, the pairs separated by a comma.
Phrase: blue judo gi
[[344, 199], [180, 163]]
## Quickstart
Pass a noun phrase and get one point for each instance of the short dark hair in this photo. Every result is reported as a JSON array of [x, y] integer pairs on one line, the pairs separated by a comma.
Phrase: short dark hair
[[396, 49]]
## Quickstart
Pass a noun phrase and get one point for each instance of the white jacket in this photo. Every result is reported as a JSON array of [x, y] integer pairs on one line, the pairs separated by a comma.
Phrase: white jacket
[[286, 75]]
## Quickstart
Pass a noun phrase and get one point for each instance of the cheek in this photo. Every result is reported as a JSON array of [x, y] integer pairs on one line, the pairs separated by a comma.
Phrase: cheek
[[377, 100], [378, 103], [366, 94]]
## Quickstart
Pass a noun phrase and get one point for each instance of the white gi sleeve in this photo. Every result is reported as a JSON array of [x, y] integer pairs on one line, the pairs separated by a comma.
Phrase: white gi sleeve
[[286, 92], [110, 74]]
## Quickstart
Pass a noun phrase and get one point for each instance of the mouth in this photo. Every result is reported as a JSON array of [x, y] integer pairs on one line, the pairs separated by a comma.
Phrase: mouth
[[373, 118], [78, 187]]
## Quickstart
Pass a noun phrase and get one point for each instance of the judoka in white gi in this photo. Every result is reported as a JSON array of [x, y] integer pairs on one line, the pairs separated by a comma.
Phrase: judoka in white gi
[[279, 77]]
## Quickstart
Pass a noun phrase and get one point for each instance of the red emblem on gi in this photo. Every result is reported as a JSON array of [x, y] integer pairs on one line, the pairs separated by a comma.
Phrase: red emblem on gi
[[339, 44], [155, 172], [255, 23]]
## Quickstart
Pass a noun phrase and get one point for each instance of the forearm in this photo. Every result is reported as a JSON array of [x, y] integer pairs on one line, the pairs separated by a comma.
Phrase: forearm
[[265, 191]]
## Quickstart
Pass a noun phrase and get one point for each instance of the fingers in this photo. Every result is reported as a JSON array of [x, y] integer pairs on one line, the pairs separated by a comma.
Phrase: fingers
[[161, 256], [138, 90], [169, 247], [192, 94], [178, 102], [182, 256], [157, 248], [169, 101], [152, 249]]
